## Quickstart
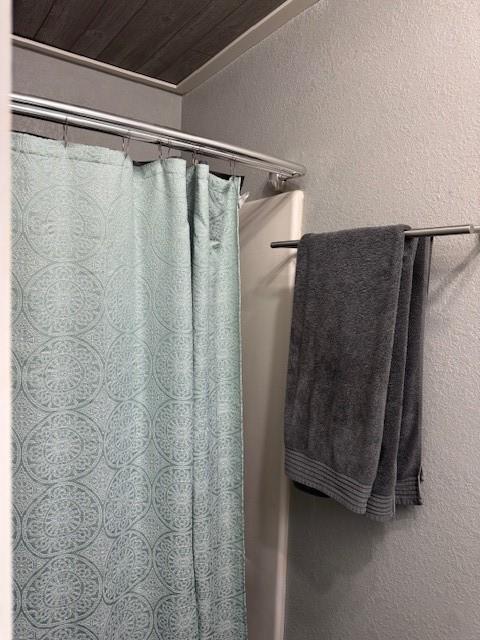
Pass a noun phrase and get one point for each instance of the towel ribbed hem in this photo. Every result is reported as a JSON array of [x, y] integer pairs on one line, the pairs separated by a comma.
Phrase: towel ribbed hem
[[380, 508], [351, 494], [408, 492], [312, 473]]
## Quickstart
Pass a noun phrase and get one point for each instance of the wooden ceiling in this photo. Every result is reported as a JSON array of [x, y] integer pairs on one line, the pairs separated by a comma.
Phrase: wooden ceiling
[[163, 39]]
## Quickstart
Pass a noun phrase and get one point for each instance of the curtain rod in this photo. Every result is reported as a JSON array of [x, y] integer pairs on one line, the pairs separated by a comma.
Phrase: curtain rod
[[134, 129], [410, 233]]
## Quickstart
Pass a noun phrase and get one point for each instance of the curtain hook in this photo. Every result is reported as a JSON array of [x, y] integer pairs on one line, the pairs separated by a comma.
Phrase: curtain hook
[[65, 131], [194, 156], [232, 167], [236, 185], [126, 143], [160, 151], [169, 146]]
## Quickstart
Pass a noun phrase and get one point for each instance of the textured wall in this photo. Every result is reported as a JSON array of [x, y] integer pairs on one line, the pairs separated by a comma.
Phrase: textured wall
[[381, 100], [40, 75]]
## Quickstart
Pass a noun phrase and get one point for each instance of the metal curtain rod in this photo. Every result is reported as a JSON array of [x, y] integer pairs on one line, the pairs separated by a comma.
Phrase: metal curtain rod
[[100, 121], [410, 233]]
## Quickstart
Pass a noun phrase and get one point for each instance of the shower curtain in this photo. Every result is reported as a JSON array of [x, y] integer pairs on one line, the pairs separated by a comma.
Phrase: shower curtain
[[127, 460]]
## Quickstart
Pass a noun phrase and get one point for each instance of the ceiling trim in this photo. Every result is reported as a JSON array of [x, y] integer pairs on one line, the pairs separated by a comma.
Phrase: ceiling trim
[[83, 61], [245, 41], [231, 52]]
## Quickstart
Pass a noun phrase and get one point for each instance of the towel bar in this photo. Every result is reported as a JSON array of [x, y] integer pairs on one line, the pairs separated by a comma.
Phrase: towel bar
[[411, 233]]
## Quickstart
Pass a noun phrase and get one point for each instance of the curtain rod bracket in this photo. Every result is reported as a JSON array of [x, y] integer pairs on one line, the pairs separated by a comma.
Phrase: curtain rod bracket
[[277, 181]]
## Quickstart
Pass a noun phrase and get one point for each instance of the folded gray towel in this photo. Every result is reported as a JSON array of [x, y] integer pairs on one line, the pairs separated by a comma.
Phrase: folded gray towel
[[353, 403]]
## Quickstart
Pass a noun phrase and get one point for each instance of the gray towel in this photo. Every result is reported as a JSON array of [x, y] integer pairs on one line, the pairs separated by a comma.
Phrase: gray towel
[[354, 385]]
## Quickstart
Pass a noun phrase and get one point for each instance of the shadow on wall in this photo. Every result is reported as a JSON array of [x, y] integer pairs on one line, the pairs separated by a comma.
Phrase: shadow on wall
[[325, 526], [450, 283], [335, 562]]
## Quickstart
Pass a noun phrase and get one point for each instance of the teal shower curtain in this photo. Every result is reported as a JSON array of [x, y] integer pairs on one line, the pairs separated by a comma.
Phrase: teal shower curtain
[[128, 521]]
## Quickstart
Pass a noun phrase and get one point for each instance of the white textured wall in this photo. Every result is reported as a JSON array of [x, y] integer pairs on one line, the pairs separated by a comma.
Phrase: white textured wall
[[381, 100], [41, 75]]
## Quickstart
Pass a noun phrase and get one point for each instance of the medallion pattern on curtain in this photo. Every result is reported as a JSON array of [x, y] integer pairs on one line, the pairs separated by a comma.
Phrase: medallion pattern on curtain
[[127, 461]]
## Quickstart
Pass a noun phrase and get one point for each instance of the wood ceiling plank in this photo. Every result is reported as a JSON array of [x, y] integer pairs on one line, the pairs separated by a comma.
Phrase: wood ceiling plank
[[189, 62], [184, 40], [28, 16], [164, 39], [148, 29], [236, 23], [217, 37], [66, 21], [110, 20]]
